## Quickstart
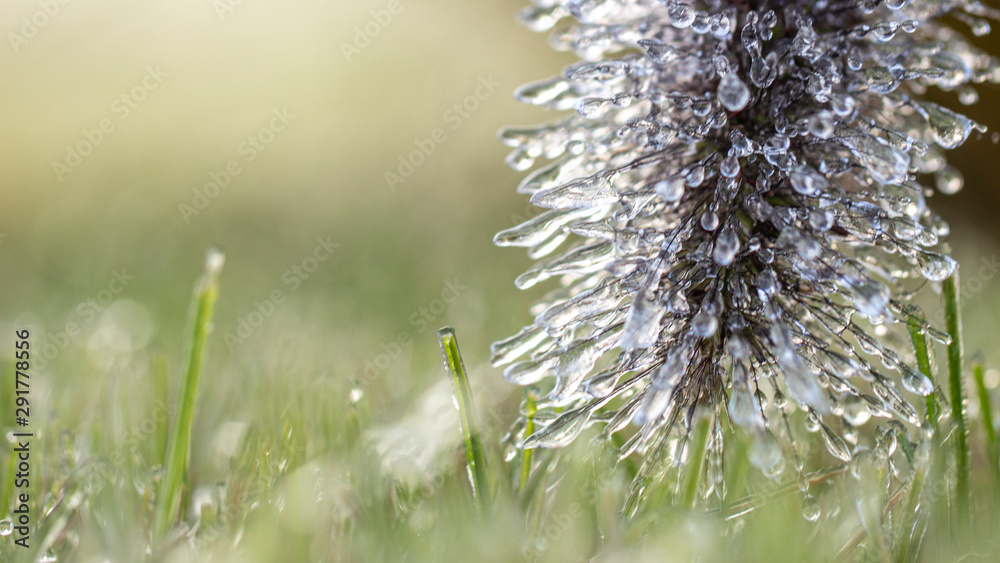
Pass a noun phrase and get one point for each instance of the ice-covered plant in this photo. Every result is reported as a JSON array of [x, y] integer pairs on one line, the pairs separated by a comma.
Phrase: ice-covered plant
[[736, 211]]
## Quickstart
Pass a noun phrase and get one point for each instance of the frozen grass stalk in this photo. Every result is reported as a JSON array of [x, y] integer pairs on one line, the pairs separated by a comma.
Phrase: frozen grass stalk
[[696, 459], [179, 445], [953, 320], [736, 213], [986, 411], [919, 340], [474, 454]]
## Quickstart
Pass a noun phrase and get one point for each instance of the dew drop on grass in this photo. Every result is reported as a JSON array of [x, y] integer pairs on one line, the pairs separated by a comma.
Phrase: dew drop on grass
[[6, 527]]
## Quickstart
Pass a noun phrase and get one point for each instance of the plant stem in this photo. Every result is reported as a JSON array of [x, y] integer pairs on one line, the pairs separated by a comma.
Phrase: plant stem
[[178, 449], [474, 454], [696, 459], [954, 324]]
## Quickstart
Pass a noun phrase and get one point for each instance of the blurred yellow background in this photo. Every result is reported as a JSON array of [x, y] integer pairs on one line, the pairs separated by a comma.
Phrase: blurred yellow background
[[156, 99]]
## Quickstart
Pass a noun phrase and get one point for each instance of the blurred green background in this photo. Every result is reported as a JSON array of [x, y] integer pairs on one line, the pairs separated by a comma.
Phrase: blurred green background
[[360, 103]]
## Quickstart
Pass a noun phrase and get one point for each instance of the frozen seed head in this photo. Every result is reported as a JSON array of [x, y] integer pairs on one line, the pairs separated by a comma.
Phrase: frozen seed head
[[735, 209]]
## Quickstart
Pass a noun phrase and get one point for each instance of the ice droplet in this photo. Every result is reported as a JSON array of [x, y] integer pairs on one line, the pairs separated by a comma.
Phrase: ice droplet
[[810, 508], [727, 245], [835, 444], [6, 527], [730, 166], [733, 94], [821, 220], [949, 129], [936, 267], [681, 15], [807, 181], [670, 190], [918, 383], [886, 164], [709, 221]]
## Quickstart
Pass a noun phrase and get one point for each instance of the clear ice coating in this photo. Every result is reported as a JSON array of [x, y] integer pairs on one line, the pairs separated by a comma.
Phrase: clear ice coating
[[736, 198]]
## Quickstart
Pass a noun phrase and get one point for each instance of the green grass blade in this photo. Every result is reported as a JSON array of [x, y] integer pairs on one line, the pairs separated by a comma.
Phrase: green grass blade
[[953, 321], [992, 448], [908, 536], [696, 459], [919, 340], [529, 429], [474, 453], [178, 449]]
